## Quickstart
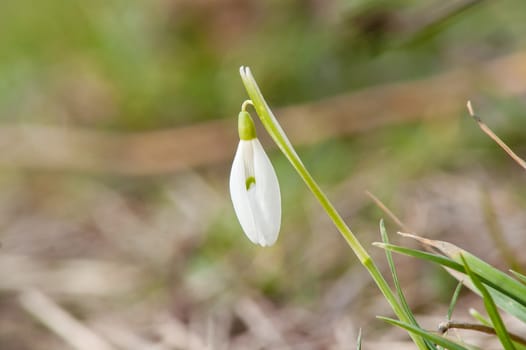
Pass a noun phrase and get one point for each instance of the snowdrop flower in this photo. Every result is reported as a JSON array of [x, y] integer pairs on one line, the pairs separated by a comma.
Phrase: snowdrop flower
[[254, 187]]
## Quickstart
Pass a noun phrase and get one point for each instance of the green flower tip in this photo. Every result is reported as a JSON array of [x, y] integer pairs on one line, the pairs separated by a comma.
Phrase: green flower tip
[[245, 126], [249, 182]]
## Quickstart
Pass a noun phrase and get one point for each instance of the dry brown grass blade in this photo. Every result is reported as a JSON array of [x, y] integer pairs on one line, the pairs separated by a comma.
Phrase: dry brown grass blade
[[445, 326], [432, 245], [495, 138], [386, 210], [172, 150]]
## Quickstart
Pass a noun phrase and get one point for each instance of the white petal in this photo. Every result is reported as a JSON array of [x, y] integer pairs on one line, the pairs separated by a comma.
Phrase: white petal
[[258, 209], [238, 191], [268, 196]]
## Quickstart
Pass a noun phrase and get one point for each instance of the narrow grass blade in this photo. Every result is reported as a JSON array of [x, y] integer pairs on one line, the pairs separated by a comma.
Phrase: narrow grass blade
[[454, 300], [495, 138], [479, 317], [491, 308], [435, 338], [396, 282], [438, 259]]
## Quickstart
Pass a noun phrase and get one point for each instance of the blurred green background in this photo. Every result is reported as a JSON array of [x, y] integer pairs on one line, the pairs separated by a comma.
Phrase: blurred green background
[[99, 220]]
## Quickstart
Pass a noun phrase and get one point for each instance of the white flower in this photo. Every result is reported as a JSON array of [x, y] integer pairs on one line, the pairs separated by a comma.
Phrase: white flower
[[254, 187]]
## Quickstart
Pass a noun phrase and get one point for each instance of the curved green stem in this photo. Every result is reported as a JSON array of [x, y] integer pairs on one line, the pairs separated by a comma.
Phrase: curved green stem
[[272, 126]]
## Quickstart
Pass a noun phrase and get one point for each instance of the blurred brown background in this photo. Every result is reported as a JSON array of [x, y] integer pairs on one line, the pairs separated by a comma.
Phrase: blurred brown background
[[118, 126]]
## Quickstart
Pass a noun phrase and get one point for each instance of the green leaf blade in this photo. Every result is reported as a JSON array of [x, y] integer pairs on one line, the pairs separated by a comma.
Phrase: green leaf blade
[[491, 308], [501, 294]]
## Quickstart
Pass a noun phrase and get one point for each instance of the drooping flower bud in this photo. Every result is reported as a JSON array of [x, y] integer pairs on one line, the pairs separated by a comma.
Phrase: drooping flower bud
[[254, 187]]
